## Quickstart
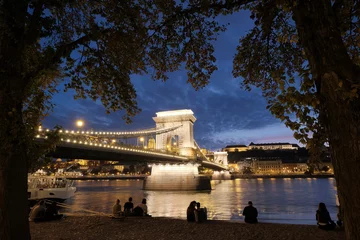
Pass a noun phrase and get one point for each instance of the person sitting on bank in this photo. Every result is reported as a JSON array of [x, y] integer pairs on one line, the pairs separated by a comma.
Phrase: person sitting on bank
[[323, 218], [200, 213], [250, 213], [52, 213], [141, 209], [37, 214], [190, 212], [129, 207], [116, 209]]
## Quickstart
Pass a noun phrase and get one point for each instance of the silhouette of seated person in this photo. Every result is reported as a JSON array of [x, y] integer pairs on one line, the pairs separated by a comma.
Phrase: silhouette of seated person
[[52, 213], [200, 213], [190, 212], [37, 213], [323, 218], [250, 213], [116, 211], [141, 209], [128, 207]]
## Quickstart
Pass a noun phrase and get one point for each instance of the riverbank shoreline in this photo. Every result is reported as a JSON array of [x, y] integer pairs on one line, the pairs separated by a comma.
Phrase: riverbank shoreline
[[251, 176], [89, 227], [233, 176], [121, 177]]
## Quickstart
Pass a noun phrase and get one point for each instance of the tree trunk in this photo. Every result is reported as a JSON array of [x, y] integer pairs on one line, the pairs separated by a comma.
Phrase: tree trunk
[[330, 64], [343, 126], [13, 169]]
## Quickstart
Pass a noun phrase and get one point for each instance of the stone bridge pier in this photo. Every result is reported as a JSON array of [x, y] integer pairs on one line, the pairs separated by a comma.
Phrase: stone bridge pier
[[177, 177]]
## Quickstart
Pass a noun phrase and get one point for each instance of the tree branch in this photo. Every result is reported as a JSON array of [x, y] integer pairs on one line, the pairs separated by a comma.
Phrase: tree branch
[[34, 26], [337, 5], [61, 52], [227, 5]]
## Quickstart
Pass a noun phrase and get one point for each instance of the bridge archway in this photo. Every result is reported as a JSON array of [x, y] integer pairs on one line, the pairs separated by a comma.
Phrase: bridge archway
[[184, 133]]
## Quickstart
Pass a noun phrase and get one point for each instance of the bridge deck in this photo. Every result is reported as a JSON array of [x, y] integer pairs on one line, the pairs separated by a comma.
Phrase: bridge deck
[[90, 151]]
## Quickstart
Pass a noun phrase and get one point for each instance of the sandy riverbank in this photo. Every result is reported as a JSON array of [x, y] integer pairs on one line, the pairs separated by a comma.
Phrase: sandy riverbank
[[101, 227]]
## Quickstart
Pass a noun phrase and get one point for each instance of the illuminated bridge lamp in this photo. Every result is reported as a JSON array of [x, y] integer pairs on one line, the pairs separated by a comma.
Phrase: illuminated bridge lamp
[[79, 124], [142, 141]]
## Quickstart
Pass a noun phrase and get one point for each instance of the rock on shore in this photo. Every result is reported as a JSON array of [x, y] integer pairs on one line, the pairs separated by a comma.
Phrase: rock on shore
[[102, 227]]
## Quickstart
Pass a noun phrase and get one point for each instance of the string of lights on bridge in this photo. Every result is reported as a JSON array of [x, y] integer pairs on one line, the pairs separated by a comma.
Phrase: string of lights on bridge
[[73, 141], [106, 145], [109, 133], [116, 147]]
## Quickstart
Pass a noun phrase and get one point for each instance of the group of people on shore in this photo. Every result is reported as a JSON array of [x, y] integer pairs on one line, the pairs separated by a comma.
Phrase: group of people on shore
[[195, 213], [323, 218], [129, 210], [42, 212]]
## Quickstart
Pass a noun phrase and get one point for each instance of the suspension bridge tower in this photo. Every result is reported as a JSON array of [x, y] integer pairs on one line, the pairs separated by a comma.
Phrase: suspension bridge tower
[[176, 176], [182, 136]]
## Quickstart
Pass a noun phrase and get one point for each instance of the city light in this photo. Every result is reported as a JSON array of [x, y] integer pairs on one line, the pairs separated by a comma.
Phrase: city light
[[79, 123]]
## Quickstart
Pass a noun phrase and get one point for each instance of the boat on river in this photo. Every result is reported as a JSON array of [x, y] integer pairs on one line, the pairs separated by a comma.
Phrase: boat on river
[[55, 188]]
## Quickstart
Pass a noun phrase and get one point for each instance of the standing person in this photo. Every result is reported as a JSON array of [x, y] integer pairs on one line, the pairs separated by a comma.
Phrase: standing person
[[129, 206], [190, 212], [250, 213], [116, 208], [323, 218]]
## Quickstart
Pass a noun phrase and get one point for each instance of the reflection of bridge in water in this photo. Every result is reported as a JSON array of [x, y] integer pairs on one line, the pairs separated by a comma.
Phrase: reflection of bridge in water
[[174, 153]]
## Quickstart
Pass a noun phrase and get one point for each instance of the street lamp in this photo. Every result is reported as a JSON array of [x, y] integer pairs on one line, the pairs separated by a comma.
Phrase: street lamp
[[142, 141], [79, 123]]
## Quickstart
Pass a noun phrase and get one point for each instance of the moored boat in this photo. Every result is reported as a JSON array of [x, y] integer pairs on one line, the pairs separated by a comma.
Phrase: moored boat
[[50, 187]]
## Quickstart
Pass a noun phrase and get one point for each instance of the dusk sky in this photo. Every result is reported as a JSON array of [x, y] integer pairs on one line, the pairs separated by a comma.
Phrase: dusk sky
[[225, 113]]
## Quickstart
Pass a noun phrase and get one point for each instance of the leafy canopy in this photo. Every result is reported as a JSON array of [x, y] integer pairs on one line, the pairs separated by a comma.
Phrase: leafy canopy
[[98, 45]]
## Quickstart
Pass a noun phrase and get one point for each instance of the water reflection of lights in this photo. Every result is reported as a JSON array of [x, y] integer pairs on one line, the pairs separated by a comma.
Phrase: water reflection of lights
[[223, 203]]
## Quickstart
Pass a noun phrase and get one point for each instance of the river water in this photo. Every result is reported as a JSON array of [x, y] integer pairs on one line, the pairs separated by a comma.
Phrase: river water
[[277, 200]]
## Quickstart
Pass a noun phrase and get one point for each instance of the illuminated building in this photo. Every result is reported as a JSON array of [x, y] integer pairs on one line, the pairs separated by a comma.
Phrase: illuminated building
[[267, 167], [273, 146], [235, 148]]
